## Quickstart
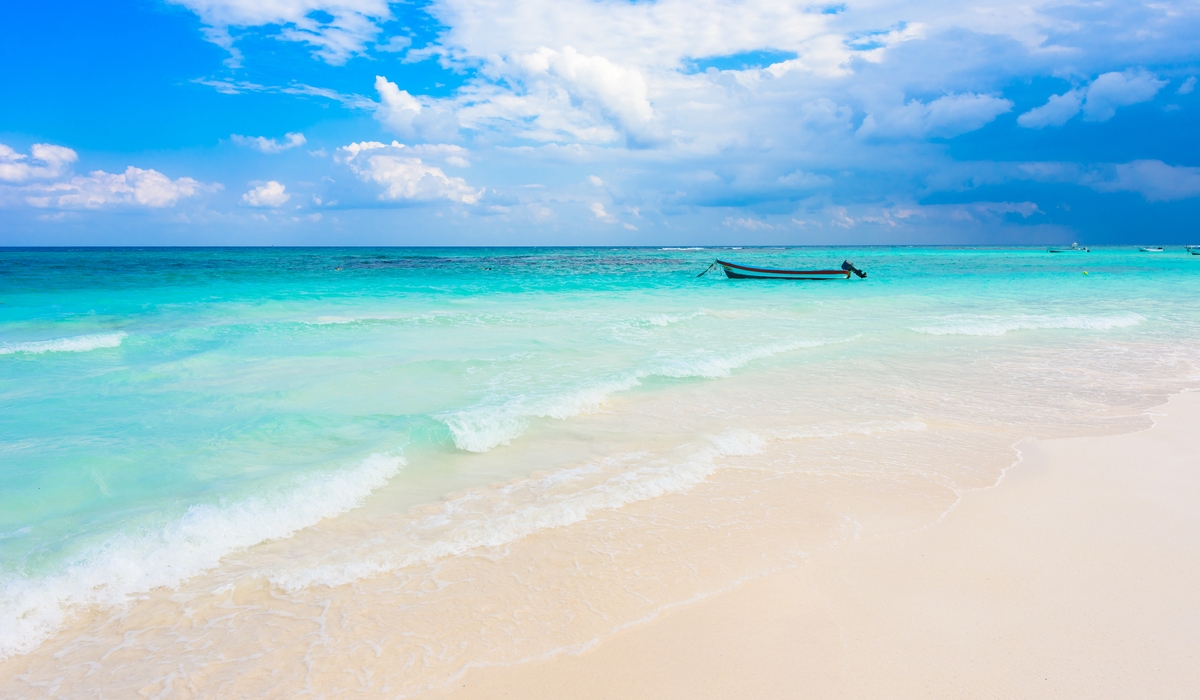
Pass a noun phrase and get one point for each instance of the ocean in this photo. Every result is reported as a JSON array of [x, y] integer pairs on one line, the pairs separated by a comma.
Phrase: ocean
[[329, 470]]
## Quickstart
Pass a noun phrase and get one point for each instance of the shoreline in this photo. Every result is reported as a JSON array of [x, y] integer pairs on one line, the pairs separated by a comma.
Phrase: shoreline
[[1074, 575]]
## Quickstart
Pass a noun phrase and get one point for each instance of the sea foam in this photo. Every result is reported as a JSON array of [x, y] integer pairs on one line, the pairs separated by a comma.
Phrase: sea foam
[[1000, 325], [78, 343], [32, 609], [491, 424], [496, 517]]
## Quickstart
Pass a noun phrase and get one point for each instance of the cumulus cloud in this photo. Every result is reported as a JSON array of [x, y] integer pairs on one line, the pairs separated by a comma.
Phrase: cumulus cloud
[[944, 117], [691, 106], [602, 214], [614, 93], [1113, 90], [134, 187], [406, 116], [266, 145], [44, 162], [336, 29], [269, 194], [1098, 101], [1153, 179], [549, 95], [404, 175], [1058, 110]]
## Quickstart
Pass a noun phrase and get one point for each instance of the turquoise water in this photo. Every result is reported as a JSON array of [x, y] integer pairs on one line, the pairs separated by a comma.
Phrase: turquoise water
[[164, 408]]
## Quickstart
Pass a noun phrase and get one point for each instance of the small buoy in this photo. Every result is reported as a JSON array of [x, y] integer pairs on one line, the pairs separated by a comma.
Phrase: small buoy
[[1085, 272]]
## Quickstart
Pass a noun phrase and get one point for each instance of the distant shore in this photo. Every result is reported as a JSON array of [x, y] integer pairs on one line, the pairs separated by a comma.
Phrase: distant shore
[[1074, 577]]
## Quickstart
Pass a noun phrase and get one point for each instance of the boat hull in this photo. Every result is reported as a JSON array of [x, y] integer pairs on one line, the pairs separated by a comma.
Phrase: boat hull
[[742, 272]]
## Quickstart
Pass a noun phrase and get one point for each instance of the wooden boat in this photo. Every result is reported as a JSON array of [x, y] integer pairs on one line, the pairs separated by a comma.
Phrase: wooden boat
[[743, 272], [1152, 249], [1075, 248]]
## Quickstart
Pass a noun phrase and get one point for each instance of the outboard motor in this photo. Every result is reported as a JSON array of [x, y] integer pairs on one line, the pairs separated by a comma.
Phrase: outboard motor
[[849, 267]]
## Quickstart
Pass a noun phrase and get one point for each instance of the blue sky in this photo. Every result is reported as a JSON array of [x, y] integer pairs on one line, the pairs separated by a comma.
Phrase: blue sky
[[569, 122]]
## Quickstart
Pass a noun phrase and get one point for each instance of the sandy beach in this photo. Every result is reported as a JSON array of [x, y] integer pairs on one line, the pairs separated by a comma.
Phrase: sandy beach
[[1075, 576]]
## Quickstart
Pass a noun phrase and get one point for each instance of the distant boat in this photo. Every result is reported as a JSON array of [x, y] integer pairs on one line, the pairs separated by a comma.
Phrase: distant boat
[[1152, 249], [743, 272], [1193, 249], [1075, 248]]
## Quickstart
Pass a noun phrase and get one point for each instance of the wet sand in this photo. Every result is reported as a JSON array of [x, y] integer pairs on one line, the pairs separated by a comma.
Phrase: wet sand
[[1075, 576]]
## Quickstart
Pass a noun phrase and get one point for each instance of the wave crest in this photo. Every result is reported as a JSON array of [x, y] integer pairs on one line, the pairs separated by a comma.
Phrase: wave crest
[[499, 516], [78, 343], [1000, 325], [124, 566], [488, 425]]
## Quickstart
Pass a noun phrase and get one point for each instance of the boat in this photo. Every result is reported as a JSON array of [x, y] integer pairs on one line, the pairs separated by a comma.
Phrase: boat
[[735, 271], [1075, 248], [1193, 249], [1152, 249]]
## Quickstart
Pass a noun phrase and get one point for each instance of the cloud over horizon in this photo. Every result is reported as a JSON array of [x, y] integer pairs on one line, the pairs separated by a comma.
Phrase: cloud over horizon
[[850, 121]]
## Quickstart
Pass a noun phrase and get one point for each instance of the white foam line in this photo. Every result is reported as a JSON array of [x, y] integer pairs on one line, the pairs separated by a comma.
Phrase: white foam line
[[1000, 325], [485, 426], [32, 609], [493, 518], [79, 343], [490, 530]]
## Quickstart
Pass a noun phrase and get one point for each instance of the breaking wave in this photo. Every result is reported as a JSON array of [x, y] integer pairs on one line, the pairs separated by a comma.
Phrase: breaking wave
[[491, 424], [495, 517], [999, 325], [32, 609], [79, 343]]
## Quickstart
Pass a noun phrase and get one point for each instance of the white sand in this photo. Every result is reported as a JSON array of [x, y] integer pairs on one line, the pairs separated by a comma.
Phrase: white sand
[[1077, 576]]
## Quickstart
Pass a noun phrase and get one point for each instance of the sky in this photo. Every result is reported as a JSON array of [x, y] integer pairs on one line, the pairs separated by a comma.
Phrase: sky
[[599, 122]]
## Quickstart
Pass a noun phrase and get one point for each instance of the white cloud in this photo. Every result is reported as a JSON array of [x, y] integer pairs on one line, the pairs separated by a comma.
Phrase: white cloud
[[44, 162], [1113, 90], [1153, 179], [799, 179], [1058, 110], [615, 93], [270, 194], [406, 116], [944, 117], [266, 145], [602, 214], [395, 44], [595, 181], [448, 153], [134, 187], [351, 25], [404, 176], [747, 223], [1098, 101], [1187, 87]]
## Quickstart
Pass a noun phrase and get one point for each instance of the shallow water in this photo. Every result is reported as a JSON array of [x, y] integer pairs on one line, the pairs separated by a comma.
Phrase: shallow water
[[487, 455]]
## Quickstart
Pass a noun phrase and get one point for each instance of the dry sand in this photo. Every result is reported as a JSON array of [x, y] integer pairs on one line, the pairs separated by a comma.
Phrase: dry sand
[[1076, 576]]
